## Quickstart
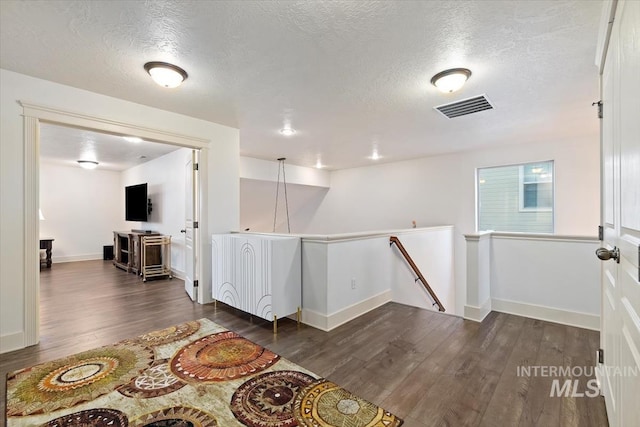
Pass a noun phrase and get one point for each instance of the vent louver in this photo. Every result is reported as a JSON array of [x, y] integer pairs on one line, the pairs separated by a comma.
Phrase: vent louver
[[465, 107]]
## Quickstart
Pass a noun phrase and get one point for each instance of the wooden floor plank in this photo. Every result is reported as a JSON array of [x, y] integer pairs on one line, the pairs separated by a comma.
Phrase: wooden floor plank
[[426, 367], [507, 401], [540, 408]]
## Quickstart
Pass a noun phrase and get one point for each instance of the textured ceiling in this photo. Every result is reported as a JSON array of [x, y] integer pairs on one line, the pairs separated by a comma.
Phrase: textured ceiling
[[347, 76], [66, 145]]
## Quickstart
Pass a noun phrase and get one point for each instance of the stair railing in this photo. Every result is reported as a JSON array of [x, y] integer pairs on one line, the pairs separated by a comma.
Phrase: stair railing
[[416, 270]]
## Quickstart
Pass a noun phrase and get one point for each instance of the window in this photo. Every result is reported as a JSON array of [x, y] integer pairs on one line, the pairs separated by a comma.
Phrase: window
[[516, 198], [536, 186]]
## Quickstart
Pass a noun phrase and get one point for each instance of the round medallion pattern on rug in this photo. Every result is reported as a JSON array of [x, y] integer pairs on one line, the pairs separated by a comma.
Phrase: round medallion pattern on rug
[[170, 334], [267, 399], [78, 374], [325, 404], [67, 382], [178, 416], [99, 417], [221, 357], [154, 382]]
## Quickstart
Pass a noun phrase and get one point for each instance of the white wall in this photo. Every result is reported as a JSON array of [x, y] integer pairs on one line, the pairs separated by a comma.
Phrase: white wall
[[441, 190], [432, 251], [550, 278], [166, 187], [81, 209], [346, 275], [220, 189], [306, 188], [258, 201]]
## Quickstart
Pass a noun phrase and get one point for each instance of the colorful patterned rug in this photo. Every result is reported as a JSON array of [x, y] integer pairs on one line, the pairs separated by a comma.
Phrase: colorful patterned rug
[[194, 374]]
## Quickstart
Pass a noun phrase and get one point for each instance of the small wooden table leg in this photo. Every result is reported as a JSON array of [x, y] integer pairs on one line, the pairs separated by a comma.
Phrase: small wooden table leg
[[47, 245]]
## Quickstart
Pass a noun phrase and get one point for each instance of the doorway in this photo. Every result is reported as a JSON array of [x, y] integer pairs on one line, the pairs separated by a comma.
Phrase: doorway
[[34, 115]]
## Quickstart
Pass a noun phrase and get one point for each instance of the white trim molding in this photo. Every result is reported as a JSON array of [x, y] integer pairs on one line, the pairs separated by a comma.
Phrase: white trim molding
[[332, 321], [178, 274], [477, 314], [604, 32], [74, 258], [11, 342], [54, 115], [31, 231], [544, 237], [565, 317]]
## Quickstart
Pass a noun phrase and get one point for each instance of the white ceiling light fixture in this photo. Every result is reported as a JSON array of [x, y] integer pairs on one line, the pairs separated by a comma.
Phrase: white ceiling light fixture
[[319, 164], [88, 164], [287, 131], [134, 139], [451, 80], [165, 74], [375, 155]]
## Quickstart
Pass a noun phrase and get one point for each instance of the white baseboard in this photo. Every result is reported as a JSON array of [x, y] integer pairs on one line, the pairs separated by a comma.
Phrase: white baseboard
[[477, 314], [74, 258], [178, 274], [332, 321], [315, 319], [565, 317], [11, 342]]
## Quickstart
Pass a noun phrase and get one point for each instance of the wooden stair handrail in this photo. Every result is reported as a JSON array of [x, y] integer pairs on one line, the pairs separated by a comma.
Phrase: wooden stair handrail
[[416, 270]]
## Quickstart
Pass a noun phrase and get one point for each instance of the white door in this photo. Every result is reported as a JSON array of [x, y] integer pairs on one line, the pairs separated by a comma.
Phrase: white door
[[620, 315], [191, 225]]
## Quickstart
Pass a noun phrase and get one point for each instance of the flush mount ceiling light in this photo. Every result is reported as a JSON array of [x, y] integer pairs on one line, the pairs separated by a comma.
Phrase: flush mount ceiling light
[[287, 131], [451, 80], [165, 74], [88, 164], [132, 139]]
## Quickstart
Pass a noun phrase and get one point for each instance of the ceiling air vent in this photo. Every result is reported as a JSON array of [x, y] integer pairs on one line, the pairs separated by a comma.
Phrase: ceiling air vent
[[465, 106]]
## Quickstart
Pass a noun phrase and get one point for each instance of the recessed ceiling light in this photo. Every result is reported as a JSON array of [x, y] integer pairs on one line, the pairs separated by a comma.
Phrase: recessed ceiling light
[[319, 164], [375, 155], [287, 131], [88, 164], [451, 80], [165, 74], [132, 138]]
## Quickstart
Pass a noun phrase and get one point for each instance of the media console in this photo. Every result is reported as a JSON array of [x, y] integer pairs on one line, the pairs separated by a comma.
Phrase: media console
[[127, 250]]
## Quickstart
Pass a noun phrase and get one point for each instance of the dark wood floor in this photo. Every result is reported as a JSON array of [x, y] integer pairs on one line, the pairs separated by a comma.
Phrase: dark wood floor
[[430, 369]]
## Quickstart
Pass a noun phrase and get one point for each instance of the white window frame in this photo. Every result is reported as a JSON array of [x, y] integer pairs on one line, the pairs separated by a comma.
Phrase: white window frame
[[522, 183]]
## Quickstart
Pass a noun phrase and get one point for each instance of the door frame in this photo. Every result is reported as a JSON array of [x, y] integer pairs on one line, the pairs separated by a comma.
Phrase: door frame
[[33, 115], [194, 180]]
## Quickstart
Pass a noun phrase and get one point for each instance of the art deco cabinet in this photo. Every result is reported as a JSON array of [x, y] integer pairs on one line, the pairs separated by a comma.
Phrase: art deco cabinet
[[258, 274]]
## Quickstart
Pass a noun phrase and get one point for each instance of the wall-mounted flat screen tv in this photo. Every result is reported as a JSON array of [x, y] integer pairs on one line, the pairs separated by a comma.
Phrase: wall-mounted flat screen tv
[[136, 202]]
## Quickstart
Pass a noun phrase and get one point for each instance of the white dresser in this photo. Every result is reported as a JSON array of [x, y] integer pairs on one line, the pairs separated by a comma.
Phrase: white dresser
[[258, 274]]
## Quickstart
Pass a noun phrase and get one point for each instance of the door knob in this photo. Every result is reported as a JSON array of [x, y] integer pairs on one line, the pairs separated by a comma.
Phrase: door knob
[[606, 254], [183, 231]]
